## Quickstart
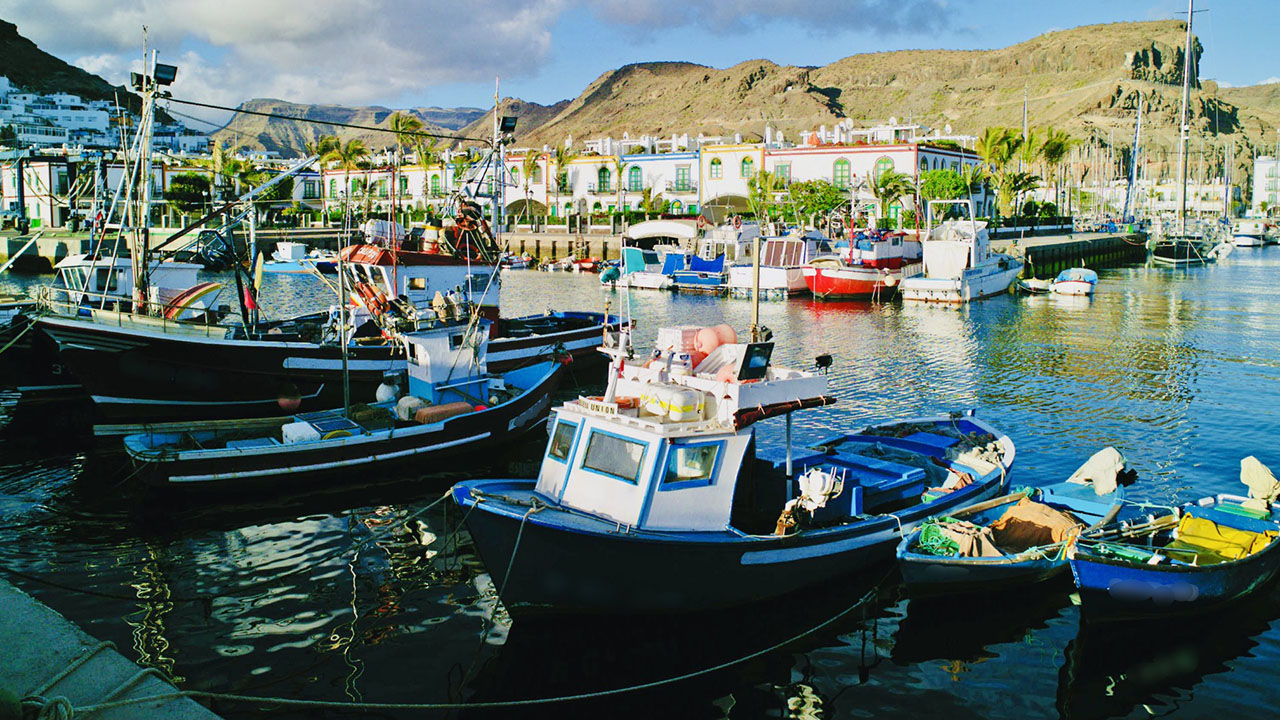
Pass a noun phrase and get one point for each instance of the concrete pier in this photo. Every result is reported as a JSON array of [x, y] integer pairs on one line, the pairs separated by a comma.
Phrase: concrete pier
[[46, 655], [1048, 255]]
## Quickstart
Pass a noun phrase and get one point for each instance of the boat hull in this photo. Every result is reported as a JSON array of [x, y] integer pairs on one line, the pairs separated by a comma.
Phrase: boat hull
[[1073, 287], [137, 376], [974, 284], [259, 466], [851, 283]]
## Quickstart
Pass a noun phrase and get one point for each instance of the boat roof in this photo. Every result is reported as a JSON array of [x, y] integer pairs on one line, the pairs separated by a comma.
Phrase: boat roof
[[683, 229]]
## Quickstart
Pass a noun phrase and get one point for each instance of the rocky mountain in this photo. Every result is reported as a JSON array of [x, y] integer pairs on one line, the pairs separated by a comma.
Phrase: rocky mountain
[[29, 67], [289, 138]]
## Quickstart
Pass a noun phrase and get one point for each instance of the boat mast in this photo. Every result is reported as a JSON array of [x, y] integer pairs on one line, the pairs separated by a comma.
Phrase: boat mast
[[1182, 128], [1133, 160]]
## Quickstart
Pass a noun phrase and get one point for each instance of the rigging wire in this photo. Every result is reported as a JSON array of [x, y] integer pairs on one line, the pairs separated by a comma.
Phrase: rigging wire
[[334, 123]]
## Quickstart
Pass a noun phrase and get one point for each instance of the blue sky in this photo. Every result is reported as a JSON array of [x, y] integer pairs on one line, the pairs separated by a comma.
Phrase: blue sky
[[400, 53]]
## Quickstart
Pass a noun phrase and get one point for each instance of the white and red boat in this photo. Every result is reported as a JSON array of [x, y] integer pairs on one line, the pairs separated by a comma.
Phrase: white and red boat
[[869, 263]]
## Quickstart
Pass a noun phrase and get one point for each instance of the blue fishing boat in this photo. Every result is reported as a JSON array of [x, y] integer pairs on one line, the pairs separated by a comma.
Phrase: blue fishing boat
[[1075, 281], [701, 275], [1201, 556], [655, 498], [1016, 539]]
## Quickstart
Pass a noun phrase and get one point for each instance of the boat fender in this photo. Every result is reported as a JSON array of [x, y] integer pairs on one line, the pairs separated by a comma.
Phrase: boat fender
[[407, 407]]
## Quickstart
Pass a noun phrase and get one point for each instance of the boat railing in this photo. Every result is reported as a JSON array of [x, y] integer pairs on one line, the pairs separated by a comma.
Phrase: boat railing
[[105, 308]]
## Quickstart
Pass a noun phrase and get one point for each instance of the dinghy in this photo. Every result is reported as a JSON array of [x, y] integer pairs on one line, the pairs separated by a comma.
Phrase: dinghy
[[1017, 539]]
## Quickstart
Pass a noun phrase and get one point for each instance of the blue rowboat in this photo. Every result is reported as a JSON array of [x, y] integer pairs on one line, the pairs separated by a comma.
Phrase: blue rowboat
[[1204, 555], [924, 571], [655, 498]]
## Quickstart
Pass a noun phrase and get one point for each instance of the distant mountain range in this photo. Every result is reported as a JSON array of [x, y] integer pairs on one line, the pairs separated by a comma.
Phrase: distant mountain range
[[1086, 80]]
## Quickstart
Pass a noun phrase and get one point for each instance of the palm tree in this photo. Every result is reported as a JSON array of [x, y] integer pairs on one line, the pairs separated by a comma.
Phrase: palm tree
[[1013, 185], [350, 155], [889, 186], [1053, 149], [563, 157], [461, 163], [407, 129], [618, 167], [998, 146], [527, 168], [762, 188], [651, 203]]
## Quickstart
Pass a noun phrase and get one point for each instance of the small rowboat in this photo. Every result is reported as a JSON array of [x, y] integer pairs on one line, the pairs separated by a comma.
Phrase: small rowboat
[[1022, 537], [1075, 281], [1205, 554]]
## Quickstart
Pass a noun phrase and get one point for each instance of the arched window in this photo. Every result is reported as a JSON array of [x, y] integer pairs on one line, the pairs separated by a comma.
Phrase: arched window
[[717, 169], [596, 207], [435, 184], [568, 208], [635, 179], [515, 175], [676, 207], [924, 164], [536, 177], [883, 165], [333, 188], [840, 174], [604, 179], [748, 168], [404, 184]]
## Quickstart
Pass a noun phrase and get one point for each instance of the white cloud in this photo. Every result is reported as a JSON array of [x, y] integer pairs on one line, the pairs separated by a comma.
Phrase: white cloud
[[1270, 81], [338, 51]]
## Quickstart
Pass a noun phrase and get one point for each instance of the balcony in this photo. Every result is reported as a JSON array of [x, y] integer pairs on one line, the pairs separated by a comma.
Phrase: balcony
[[684, 187], [601, 188]]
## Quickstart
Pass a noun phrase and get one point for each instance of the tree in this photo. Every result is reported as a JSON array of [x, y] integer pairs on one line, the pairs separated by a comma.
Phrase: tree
[[563, 157], [760, 194], [943, 185], [461, 162], [527, 168], [8, 135], [652, 204], [1012, 185], [816, 197], [407, 129], [998, 146], [1053, 149], [189, 193], [349, 156], [888, 187]]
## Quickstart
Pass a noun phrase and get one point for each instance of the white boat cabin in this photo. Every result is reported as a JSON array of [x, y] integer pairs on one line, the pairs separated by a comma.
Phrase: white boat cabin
[[447, 363], [416, 276], [89, 279], [666, 451]]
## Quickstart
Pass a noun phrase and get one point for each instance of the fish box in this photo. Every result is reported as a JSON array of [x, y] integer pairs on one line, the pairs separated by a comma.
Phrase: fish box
[[298, 432]]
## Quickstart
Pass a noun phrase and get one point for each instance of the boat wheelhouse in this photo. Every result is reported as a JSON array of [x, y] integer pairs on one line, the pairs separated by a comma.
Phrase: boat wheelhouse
[[656, 497], [958, 263], [863, 266], [1249, 232], [782, 262]]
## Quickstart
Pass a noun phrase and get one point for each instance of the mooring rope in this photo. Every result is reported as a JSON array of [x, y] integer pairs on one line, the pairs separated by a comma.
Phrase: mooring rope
[[493, 704]]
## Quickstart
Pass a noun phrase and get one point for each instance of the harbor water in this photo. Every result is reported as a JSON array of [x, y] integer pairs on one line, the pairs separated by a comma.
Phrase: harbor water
[[367, 594]]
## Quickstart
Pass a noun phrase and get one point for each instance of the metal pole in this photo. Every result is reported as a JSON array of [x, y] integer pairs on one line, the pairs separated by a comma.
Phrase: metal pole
[[1182, 127], [755, 288], [788, 444]]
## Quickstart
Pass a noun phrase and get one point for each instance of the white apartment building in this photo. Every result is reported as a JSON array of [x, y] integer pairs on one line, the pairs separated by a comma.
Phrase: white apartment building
[[1266, 185]]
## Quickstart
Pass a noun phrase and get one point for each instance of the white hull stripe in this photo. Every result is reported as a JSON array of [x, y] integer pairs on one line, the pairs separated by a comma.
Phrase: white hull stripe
[[213, 477]]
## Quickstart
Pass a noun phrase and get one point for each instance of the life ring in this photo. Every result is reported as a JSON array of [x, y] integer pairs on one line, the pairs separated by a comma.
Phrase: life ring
[[375, 301], [737, 222], [702, 222]]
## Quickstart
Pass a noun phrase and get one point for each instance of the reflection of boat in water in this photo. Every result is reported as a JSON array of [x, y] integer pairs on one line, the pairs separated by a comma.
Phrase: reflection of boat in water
[[1113, 669], [966, 628]]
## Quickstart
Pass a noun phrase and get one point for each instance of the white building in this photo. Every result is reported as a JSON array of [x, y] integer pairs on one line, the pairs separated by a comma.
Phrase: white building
[[1266, 185]]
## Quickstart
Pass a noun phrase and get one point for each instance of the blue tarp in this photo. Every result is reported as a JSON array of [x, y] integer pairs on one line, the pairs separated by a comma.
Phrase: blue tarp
[[672, 263], [1081, 274], [697, 264], [637, 260]]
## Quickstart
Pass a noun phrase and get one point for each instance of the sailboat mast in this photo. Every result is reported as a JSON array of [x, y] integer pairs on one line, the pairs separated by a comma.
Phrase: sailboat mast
[[1133, 162], [1182, 127]]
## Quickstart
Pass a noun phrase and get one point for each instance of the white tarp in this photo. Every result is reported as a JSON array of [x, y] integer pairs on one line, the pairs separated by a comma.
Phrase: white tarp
[[1263, 486], [1100, 471]]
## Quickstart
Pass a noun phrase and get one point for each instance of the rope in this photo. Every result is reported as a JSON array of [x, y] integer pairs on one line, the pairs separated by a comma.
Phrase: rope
[[376, 706]]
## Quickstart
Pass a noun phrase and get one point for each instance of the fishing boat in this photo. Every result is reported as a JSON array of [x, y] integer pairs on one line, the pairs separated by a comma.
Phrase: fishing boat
[[782, 266], [1035, 286], [958, 263], [452, 406], [863, 267], [1249, 232], [1075, 281], [1200, 556], [722, 246], [1016, 539], [648, 269], [658, 497]]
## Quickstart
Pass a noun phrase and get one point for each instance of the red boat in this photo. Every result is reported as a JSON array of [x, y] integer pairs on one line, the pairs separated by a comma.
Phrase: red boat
[[868, 263]]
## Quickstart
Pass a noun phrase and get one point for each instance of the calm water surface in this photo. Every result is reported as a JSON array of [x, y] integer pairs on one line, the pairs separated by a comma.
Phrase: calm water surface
[[358, 595]]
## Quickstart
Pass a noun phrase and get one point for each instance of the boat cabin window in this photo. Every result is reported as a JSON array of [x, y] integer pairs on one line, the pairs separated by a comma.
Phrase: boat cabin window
[[562, 441], [755, 362], [108, 280], [455, 341], [417, 283], [690, 465], [615, 456]]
